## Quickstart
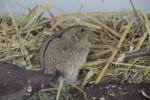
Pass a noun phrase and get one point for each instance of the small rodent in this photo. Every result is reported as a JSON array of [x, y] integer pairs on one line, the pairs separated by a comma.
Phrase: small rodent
[[66, 51], [18, 84]]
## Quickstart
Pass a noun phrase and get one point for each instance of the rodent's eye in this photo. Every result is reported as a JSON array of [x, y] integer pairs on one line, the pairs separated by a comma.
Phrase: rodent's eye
[[82, 30]]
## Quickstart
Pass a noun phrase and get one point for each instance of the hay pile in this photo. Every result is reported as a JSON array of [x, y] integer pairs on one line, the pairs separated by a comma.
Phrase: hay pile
[[115, 33]]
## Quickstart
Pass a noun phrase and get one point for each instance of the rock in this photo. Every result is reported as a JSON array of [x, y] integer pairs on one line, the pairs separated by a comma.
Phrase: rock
[[17, 83]]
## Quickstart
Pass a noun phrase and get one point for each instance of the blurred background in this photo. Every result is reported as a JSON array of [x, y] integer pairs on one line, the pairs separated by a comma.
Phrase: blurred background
[[58, 7]]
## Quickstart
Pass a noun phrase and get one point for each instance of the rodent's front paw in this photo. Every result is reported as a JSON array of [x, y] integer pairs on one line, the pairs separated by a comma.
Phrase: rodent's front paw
[[46, 72], [49, 72]]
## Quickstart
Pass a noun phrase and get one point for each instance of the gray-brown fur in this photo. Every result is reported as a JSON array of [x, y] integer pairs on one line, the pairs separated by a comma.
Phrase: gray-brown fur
[[66, 52]]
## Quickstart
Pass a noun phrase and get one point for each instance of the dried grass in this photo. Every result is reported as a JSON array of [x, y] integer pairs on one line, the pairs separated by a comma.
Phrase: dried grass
[[115, 33]]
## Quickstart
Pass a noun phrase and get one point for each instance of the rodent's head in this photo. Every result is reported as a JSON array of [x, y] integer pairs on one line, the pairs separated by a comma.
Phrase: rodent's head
[[77, 33]]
